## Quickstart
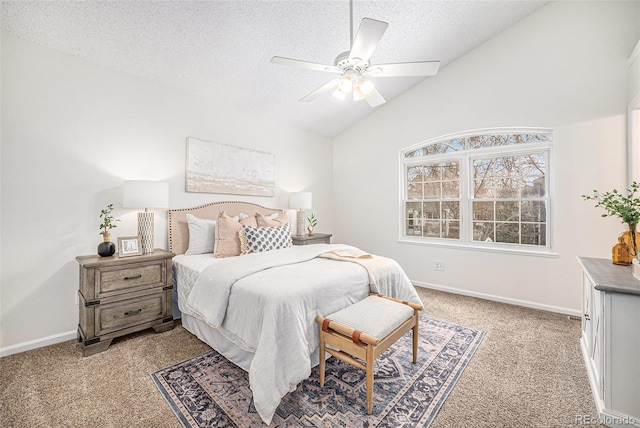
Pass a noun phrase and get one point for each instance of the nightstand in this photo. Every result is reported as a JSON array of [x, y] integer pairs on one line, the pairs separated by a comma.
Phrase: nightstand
[[317, 238], [121, 295]]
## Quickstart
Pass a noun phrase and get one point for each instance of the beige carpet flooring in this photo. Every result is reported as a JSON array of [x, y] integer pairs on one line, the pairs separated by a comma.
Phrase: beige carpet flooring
[[528, 372]]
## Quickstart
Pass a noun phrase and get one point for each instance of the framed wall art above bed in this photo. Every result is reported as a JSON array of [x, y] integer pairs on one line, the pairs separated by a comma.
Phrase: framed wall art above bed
[[220, 168]]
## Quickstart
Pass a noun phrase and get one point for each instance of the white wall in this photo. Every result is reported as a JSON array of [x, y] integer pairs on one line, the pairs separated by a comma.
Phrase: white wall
[[634, 72], [634, 115], [564, 67], [72, 132]]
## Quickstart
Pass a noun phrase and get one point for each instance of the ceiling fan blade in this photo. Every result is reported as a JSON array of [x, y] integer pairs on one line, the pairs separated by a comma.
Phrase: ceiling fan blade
[[367, 38], [421, 68], [327, 87], [304, 64], [375, 98]]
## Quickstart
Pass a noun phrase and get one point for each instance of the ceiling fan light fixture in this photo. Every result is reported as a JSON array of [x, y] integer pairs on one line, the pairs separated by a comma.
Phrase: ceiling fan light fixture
[[357, 94], [339, 94], [366, 86], [346, 84]]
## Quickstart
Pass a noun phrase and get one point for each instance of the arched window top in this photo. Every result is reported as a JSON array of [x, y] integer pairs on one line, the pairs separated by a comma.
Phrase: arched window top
[[477, 140]]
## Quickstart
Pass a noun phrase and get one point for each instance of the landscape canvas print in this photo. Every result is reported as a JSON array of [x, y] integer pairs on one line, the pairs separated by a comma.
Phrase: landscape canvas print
[[221, 168]]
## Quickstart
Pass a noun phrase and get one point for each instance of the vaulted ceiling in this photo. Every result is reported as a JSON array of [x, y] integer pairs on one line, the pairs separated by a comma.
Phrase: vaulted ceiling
[[221, 49]]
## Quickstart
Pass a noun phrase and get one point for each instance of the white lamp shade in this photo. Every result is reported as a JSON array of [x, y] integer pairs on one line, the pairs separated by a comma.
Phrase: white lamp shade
[[300, 200], [145, 194]]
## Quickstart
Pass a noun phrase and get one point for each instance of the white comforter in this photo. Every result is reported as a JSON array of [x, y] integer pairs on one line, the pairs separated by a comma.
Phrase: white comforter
[[278, 295]]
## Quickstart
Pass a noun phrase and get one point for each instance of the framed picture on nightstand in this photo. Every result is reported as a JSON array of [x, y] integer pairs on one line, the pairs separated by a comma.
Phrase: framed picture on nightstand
[[129, 246]]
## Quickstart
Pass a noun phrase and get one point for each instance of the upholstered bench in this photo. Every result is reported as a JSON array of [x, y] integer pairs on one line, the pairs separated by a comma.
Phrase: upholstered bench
[[360, 333]]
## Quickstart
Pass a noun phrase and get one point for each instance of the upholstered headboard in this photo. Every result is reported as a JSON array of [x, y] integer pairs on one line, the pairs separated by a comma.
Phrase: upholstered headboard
[[177, 219]]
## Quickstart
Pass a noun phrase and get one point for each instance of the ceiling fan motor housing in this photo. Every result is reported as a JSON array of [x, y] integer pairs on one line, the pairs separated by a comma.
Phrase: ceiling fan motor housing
[[345, 63]]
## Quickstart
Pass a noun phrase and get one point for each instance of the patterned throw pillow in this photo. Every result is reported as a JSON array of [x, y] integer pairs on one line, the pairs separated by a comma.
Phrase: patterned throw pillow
[[259, 239]]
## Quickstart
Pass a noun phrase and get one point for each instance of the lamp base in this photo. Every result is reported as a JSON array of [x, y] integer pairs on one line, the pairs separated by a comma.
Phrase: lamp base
[[300, 230], [145, 231]]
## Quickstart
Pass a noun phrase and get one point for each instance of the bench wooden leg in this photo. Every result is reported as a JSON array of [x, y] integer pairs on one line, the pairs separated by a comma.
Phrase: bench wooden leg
[[415, 337], [370, 370], [321, 353]]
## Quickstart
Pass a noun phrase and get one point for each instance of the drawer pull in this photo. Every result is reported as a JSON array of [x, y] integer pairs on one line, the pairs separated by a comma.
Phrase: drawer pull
[[132, 277], [137, 311]]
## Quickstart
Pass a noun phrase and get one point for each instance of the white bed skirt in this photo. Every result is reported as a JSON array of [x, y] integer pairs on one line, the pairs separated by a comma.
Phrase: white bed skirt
[[225, 347]]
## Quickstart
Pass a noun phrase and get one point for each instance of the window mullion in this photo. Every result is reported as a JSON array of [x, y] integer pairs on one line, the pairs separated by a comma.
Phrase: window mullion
[[466, 227]]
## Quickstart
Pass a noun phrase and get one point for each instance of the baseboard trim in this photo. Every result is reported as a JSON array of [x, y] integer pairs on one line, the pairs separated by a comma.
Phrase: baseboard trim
[[69, 335], [517, 302], [38, 343]]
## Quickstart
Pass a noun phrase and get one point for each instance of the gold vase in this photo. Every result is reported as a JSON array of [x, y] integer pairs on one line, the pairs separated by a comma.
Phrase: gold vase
[[632, 238], [620, 253]]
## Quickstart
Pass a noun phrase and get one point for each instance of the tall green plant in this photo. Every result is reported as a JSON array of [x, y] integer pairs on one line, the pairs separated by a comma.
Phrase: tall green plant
[[616, 204], [108, 221]]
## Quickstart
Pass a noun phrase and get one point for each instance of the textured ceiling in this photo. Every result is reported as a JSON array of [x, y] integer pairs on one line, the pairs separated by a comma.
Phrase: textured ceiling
[[221, 49]]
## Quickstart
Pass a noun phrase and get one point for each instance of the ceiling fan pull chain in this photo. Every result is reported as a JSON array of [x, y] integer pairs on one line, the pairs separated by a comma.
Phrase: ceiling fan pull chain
[[350, 24]]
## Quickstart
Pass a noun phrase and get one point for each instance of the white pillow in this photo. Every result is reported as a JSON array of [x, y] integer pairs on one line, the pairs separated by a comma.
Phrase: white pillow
[[201, 235]]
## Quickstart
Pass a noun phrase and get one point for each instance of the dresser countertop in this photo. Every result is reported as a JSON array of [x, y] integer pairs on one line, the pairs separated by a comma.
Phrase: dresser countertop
[[609, 277]]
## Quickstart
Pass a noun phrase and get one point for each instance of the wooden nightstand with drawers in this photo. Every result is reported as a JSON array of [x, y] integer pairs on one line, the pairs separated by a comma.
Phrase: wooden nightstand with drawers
[[122, 295], [316, 238]]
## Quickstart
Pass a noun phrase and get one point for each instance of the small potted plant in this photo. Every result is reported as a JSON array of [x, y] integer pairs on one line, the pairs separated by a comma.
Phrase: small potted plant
[[312, 223], [107, 248], [627, 208]]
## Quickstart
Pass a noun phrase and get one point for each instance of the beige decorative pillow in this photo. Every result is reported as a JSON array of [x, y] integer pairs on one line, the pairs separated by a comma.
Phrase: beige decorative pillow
[[280, 220], [227, 239]]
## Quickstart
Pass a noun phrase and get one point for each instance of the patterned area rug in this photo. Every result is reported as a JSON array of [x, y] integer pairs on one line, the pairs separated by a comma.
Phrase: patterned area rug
[[209, 391]]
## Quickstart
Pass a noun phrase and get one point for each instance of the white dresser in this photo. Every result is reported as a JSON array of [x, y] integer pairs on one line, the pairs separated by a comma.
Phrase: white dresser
[[610, 340]]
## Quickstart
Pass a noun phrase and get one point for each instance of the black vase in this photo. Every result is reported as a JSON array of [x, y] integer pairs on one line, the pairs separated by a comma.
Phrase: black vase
[[106, 249]]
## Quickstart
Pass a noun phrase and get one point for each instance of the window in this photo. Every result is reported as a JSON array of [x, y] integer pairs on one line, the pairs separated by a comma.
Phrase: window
[[487, 189]]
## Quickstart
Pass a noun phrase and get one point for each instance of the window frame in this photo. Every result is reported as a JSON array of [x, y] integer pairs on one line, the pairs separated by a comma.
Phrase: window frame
[[465, 158]]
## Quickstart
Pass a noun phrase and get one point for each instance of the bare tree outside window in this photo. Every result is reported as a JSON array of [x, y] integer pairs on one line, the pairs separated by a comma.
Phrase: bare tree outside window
[[514, 188], [437, 187]]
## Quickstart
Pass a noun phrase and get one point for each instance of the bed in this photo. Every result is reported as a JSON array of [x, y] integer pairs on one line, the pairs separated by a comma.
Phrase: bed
[[259, 309]]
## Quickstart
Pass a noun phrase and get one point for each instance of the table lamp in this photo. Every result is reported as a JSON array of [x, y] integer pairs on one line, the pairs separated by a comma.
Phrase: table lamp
[[145, 194], [300, 201]]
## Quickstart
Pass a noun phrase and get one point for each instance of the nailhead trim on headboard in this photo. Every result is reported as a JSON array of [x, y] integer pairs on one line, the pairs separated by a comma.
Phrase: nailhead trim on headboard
[[177, 219]]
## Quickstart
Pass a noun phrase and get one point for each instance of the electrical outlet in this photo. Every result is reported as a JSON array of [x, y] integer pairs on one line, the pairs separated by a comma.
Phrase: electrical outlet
[[438, 266]]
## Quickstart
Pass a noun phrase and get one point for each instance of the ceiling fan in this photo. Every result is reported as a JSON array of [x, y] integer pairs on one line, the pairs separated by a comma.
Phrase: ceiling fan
[[354, 66]]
